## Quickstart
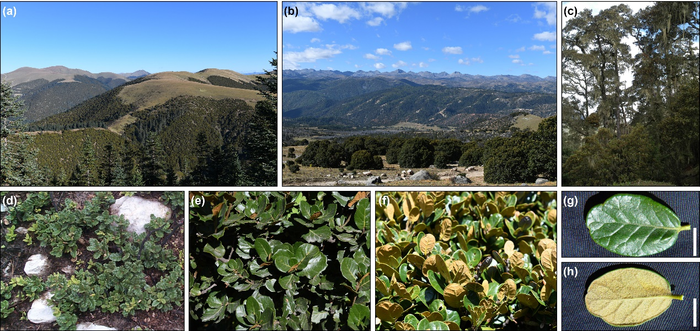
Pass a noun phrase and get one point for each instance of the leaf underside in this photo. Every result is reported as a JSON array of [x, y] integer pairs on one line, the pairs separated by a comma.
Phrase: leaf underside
[[628, 296]]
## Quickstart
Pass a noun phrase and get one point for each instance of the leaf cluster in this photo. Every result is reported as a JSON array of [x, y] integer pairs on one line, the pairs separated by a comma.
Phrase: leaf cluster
[[466, 260], [280, 260]]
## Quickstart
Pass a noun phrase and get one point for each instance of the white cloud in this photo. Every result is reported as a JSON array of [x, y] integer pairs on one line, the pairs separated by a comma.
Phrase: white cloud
[[477, 60], [545, 36], [431, 60], [340, 13], [383, 51], [423, 65], [315, 40], [546, 52], [357, 66], [536, 48], [404, 46], [372, 57], [311, 54], [386, 9], [471, 9], [464, 61], [375, 21], [521, 49], [379, 65], [399, 64], [513, 18], [516, 56], [452, 50], [518, 61], [300, 24], [548, 11]]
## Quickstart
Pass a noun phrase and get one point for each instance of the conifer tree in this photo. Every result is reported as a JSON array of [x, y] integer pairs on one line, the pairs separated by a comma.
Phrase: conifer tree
[[18, 161], [260, 145]]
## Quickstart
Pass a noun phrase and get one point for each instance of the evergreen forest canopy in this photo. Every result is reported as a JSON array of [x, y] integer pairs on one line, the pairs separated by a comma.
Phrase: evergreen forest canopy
[[186, 140], [643, 134]]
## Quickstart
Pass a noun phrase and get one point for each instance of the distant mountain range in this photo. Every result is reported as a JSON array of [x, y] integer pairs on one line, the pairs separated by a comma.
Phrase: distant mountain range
[[174, 106], [53, 90], [373, 98]]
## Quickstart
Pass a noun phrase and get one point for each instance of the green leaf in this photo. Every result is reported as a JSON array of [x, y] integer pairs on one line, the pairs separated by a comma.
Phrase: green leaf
[[342, 200], [263, 248], [252, 307], [318, 316], [358, 317], [289, 282], [362, 214], [284, 260], [349, 269], [215, 310], [315, 266], [436, 281], [633, 225], [318, 235], [216, 252]]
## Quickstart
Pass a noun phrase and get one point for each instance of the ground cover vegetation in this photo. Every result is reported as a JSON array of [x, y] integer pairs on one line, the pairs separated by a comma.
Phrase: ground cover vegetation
[[523, 157], [466, 260], [186, 140], [280, 261], [646, 133], [109, 270]]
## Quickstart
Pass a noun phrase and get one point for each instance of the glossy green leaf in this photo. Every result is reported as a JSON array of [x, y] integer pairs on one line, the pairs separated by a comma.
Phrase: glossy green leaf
[[318, 235], [284, 260], [633, 225], [362, 214], [436, 281], [252, 307], [216, 252], [263, 248], [349, 269], [315, 266], [358, 317]]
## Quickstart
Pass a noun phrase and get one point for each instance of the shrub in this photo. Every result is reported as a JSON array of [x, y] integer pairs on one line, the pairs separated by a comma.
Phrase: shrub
[[393, 151], [441, 160], [280, 260], [362, 159], [416, 153], [466, 260], [472, 157], [322, 153], [292, 166]]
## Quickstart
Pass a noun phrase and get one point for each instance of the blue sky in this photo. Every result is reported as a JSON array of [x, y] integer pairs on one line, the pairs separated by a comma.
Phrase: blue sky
[[486, 38], [124, 37]]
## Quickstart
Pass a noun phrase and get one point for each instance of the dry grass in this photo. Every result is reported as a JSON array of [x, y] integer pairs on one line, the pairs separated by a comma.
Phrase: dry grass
[[527, 122], [118, 125], [157, 91]]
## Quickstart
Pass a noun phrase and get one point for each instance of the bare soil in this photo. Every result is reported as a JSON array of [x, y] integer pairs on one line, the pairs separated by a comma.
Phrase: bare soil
[[391, 175], [16, 253]]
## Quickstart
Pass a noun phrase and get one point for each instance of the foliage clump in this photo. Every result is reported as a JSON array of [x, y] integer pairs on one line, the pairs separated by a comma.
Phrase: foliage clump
[[466, 261], [280, 260]]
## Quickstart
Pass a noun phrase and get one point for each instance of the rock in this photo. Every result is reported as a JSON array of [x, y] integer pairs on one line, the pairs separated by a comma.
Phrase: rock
[[367, 173], [460, 180], [374, 180], [138, 211], [383, 175], [41, 311], [432, 166], [37, 264], [421, 175], [21, 230], [409, 172], [91, 326], [328, 175], [340, 182], [471, 168], [541, 181], [442, 174], [68, 270]]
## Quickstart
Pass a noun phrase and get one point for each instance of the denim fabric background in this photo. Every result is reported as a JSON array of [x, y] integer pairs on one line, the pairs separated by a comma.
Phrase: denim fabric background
[[682, 276], [577, 242]]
